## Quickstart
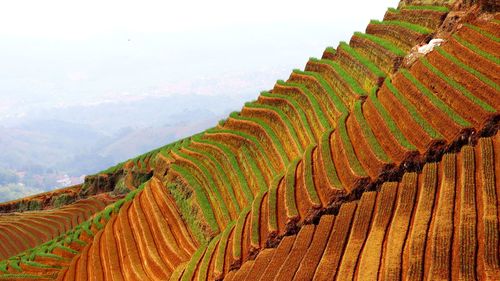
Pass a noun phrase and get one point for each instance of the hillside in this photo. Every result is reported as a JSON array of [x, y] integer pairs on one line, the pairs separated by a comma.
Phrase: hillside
[[378, 160]]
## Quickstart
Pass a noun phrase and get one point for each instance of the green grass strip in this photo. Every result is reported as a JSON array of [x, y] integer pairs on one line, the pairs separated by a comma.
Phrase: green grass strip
[[256, 172], [393, 10], [283, 117], [427, 8], [457, 86], [40, 265], [15, 264], [331, 171], [308, 175], [337, 101], [483, 32], [3, 266], [395, 131], [212, 186], [238, 233], [410, 26], [250, 138], [314, 102], [298, 108], [413, 111], [255, 235], [435, 100], [221, 173], [201, 197], [476, 49], [357, 89], [272, 202], [348, 149], [386, 44], [469, 69], [291, 205], [234, 164], [193, 263], [269, 131], [368, 134], [27, 276], [331, 50], [176, 275], [365, 61], [221, 251], [207, 257]]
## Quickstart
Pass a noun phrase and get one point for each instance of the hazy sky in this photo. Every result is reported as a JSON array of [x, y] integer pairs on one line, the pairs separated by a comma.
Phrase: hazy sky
[[59, 53]]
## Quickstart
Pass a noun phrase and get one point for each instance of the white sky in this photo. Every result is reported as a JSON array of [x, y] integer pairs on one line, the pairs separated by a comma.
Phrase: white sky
[[53, 53]]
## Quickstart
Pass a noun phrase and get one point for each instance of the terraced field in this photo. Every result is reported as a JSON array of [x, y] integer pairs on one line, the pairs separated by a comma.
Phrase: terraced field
[[440, 224], [356, 134]]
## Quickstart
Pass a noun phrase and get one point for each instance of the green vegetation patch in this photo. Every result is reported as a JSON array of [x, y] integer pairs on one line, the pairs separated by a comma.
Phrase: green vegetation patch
[[469, 69], [369, 136], [272, 202], [234, 164], [357, 89], [191, 266], [269, 131], [291, 205], [386, 44], [348, 149], [435, 100], [458, 86], [410, 26], [221, 251], [395, 131], [413, 111], [331, 50], [205, 262], [314, 102], [255, 235], [238, 233], [296, 105], [428, 8], [483, 32], [331, 171], [476, 49], [201, 198], [308, 176], [365, 61], [283, 117]]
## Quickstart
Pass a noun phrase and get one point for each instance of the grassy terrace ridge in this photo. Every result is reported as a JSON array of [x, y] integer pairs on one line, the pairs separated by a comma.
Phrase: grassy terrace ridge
[[249, 138], [297, 107], [269, 131], [337, 101], [308, 175], [314, 102], [331, 49], [413, 111], [201, 198], [342, 73], [192, 265], [365, 61], [272, 201], [220, 171], [261, 182], [483, 32], [221, 251], [234, 164], [476, 49], [367, 132], [469, 69], [283, 117], [211, 185], [238, 232], [427, 8], [255, 229], [435, 100], [331, 171], [348, 149], [291, 205], [396, 132], [410, 26], [205, 262], [386, 44], [72, 235], [458, 86]]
